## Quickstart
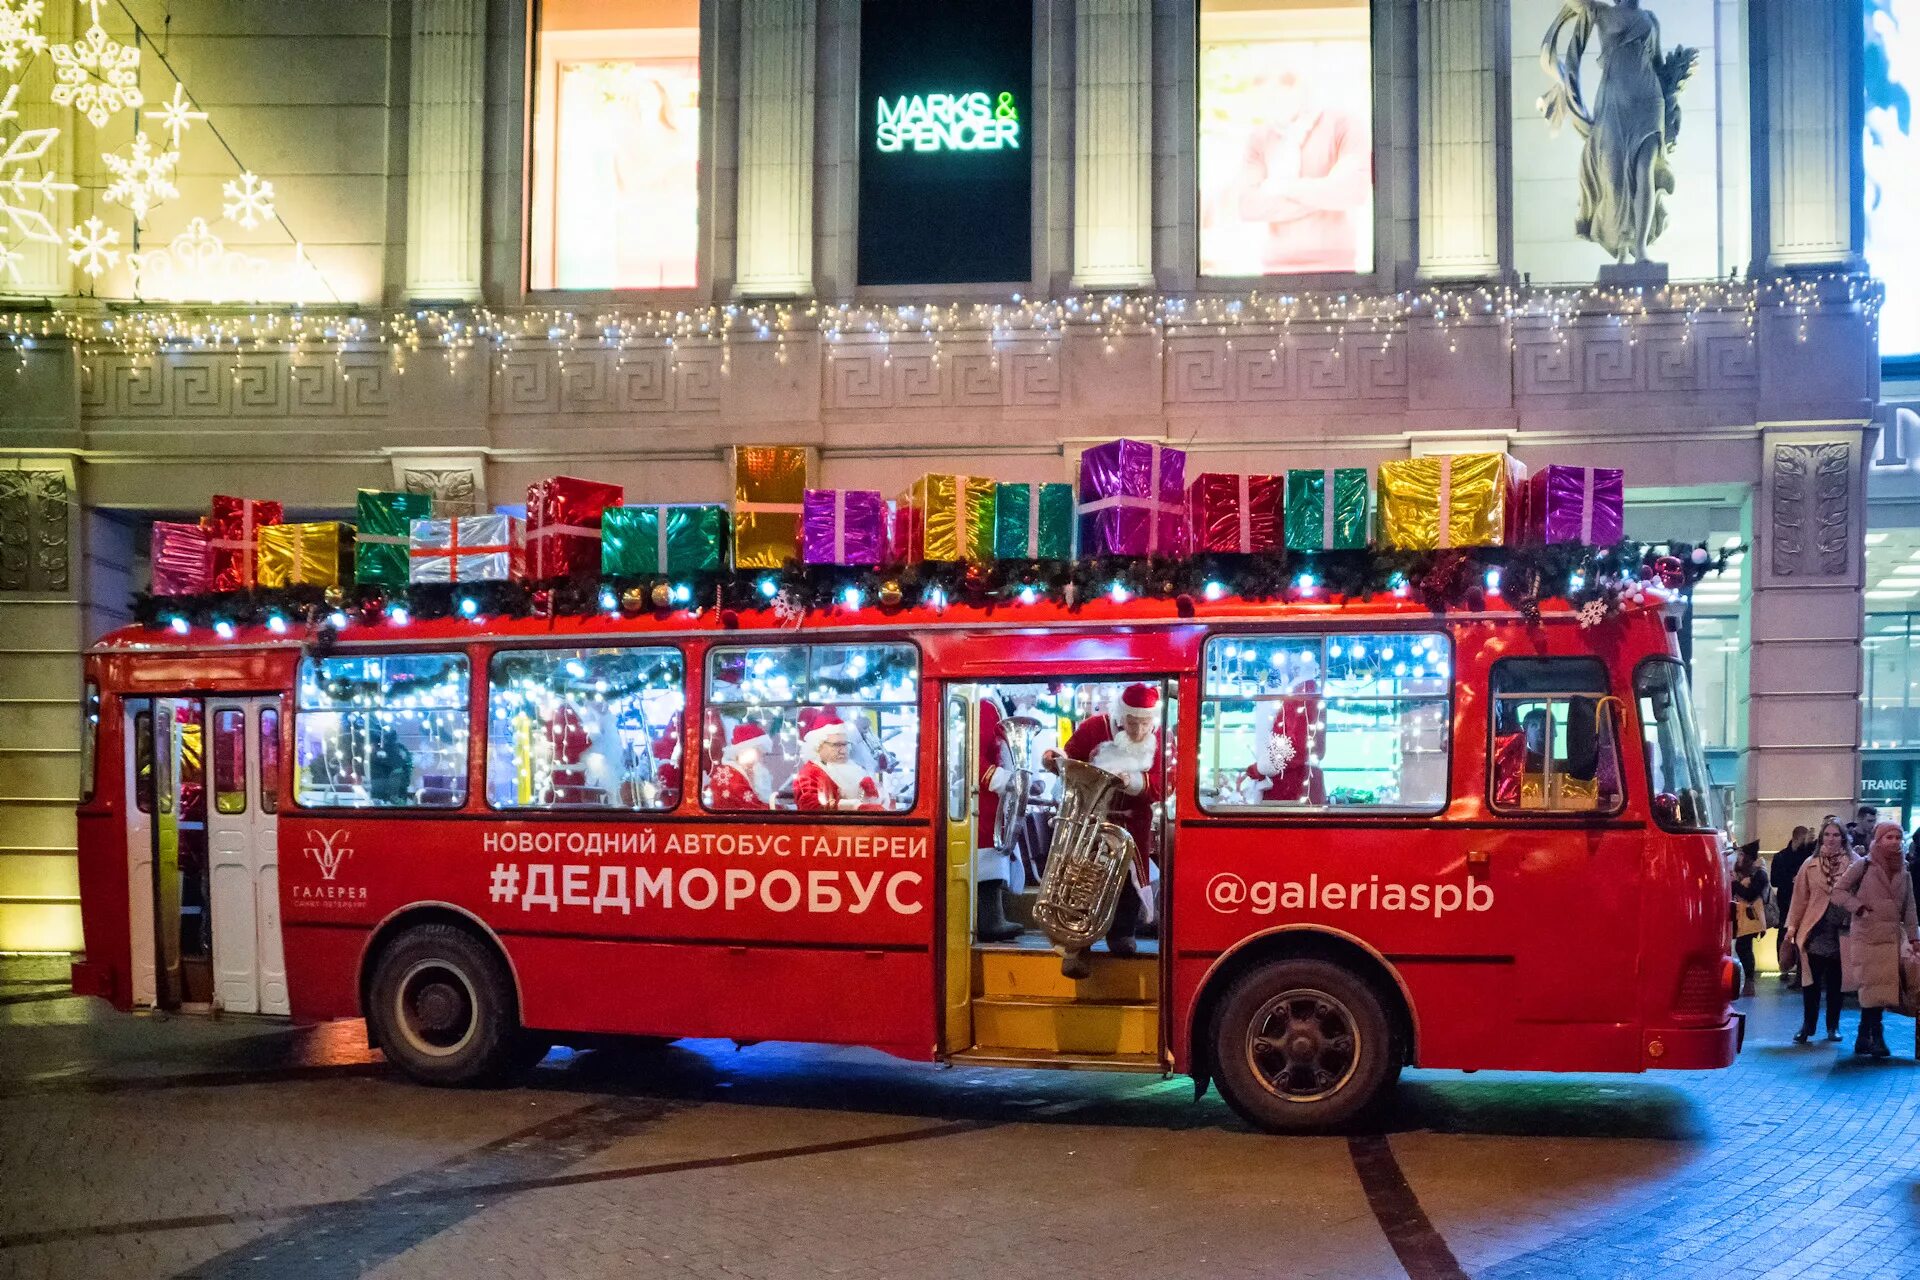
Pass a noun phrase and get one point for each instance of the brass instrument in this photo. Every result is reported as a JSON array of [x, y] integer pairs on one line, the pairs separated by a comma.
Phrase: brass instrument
[[1013, 799], [1088, 862]]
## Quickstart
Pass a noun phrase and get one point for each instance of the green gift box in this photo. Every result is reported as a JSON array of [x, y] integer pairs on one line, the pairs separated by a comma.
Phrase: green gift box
[[675, 537], [1033, 522], [1326, 510], [384, 520]]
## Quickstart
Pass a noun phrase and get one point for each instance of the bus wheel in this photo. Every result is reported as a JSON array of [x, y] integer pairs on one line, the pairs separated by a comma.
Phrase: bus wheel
[[443, 1008], [1302, 1045]]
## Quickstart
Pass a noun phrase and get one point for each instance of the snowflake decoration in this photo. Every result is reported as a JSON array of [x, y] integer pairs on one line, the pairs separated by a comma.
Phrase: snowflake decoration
[[1279, 753], [116, 66], [93, 250], [142, 178], [18, 39], [16, 188], [176, 115], [1592, 613], [249, 201], [788, 609], [10, 260], [197, 264]]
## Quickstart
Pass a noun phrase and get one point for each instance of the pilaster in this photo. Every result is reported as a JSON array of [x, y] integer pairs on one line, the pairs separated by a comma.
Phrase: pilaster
[[1811, 81], [776, 147], [1460, 53], [445, 157], [1113, 144]]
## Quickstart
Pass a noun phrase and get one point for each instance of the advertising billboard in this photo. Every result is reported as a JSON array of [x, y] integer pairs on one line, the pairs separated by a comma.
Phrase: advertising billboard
[[1891, 155]]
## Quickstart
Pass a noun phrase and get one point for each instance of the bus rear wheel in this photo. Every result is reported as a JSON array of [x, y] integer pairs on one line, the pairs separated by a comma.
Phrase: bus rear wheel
[[442, 1007], [1302, 1045]]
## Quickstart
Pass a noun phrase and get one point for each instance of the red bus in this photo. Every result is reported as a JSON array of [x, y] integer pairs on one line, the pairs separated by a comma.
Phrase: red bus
[[1377, 837]]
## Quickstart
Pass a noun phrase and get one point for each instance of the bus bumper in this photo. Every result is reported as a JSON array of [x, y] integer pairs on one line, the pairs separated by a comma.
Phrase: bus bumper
[[1694, 1048]]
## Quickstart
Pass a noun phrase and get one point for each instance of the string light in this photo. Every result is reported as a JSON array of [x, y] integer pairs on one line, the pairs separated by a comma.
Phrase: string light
[[277, 623], [1216, 590], [177, 625], [397, 614], [223, 629], [337, 620], [469, 607]]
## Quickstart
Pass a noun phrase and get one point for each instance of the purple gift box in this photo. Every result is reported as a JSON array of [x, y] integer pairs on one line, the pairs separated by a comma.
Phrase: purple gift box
[[843, 526], [182, 558], [1133, 500], [1578, 504]]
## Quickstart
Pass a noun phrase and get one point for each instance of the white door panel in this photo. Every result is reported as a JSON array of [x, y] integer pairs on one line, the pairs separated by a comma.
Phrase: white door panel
[[248, 960], [136, 719]]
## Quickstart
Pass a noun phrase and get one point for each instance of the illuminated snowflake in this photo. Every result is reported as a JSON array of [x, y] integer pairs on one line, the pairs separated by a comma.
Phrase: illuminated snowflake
[[197, 265], [142, 178], [1280, 752], [17, 190], [1592, 613], [10, 260], [97, 75], [93, 250], [176, 115], [18, 39], [249, 201]]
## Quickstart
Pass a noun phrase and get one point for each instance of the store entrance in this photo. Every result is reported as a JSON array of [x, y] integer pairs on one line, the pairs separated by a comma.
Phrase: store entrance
[[1013, 994]]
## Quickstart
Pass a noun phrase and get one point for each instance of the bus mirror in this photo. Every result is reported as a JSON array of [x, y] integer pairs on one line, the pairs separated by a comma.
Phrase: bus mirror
[[1666, 807]]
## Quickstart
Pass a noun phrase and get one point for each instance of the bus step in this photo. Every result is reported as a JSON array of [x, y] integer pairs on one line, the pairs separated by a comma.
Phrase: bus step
[[1034, 1059], [1066, 1026], [1013, 973]]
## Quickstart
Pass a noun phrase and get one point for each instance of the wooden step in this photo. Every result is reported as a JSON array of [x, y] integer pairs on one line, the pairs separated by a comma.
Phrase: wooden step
[[1066, 1026], [1017, 973], [1035, 1059]]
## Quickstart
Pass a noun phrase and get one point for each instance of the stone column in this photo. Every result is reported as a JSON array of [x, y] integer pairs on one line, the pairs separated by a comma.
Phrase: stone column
[[1113, 144], [1805, 622], [1460, 53], [445, 137], [776, 148], [1811, 82]]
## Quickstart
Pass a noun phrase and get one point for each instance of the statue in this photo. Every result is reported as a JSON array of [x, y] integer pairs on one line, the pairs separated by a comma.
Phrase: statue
[[1633, 124]]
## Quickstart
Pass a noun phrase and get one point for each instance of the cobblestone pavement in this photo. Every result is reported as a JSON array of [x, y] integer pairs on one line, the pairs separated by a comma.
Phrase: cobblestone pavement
[[158, 1147]]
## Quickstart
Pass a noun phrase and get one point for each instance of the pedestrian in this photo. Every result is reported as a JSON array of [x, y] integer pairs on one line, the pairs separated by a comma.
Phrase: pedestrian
[[1878, 893], [1913, 857], [1785, 866], [1749, 908], [1817, 934]]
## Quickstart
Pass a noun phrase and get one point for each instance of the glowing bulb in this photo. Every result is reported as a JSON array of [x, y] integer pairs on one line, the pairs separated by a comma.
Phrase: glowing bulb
[[1399, 584], [1029, 596], [852, 597], [576, 668], [399, 615], [1306, 583], [223, 629], [769, 588], [1493, 579], [469, 607], [337, 620], [1215, 590], [681, 593], [276, 624], [609, 603], [1577, 581], [1118, 593], [937, 597], [178, 624], [1334, 650]]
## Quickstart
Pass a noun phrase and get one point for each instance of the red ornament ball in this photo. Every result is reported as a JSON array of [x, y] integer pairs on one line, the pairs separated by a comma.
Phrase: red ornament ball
[[1672, 573]]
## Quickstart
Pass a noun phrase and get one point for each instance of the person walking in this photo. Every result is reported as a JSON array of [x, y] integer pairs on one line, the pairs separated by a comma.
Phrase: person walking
[[1878, 893], [1781, 873], [1816, 934], [1749, 911]]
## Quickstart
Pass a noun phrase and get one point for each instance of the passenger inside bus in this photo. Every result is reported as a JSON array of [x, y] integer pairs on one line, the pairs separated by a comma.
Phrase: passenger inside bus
[[1553, 736]]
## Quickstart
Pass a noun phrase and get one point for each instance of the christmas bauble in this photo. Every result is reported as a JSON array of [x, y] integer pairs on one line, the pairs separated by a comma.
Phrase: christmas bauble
[[336, 596], [890, 594], [1672, 573], [660, 596], [632, 601]]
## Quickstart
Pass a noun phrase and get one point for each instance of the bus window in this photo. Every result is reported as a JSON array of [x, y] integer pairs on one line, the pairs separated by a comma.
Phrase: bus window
[[269, 760], [585, 728], [1325, 721], [230, 762], [1676, 772], [382, 731], [812, 727], [143, 761], [89, 740], [1554, 746]]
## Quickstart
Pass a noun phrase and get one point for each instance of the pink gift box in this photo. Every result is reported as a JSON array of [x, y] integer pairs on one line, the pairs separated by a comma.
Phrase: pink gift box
[[182, 558]]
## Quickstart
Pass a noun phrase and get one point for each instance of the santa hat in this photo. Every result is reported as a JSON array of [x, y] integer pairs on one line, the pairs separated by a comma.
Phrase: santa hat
[[1140, 700], [747, 736], [826, 724]]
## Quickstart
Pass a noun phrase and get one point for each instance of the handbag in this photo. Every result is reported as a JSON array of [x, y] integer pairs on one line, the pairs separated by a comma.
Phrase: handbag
[[1909, 982]]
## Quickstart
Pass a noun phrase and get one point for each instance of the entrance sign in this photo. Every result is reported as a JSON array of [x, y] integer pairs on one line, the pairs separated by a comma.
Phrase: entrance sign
[[947, 122]]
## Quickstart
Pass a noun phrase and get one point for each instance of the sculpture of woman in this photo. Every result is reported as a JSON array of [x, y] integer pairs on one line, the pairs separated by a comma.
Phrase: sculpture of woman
[[1632, 126]]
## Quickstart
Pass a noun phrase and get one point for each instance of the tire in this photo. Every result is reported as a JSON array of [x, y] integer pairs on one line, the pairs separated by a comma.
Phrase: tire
[[443, 1009], [1337, 1060]]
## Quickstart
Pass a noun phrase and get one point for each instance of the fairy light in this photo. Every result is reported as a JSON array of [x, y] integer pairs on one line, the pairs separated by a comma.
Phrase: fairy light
[[1028, 595], [398, 615], [1118, 593], [609, 603], [469, 607], [1493, 579], [1215, 590], [177, 624], [337, 620], [277, 623], [223, 629]]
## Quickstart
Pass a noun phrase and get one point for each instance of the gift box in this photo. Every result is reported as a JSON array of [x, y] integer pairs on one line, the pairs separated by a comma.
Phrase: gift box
[[1578, 504], [1462, 500], [1133, 500], [315, 555], [488, 548], [236, 525], [769, 483], [843, 526], [1033, 521], [1326, 509], [903, 533], [563, 525], [182, 558], [674, 537], [953, 518], [380, 543], [1233, 513]]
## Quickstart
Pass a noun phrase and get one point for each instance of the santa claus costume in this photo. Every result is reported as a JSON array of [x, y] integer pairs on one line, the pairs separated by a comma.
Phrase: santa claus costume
[[992, 862], [832, 783], [1287, 768], [1102, 741], [740, 781]]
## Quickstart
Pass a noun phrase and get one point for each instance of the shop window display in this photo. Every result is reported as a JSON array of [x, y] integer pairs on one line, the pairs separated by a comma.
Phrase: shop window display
[[585, 728], [1555, 747], [1326, 721], [812, 728], [382, 731]]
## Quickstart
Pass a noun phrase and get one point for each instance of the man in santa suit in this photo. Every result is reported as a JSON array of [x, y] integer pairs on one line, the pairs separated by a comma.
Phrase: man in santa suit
[[1287, 768], [830, 779], [1127, 746], [665, 748], [1000, 774], [740, 781]]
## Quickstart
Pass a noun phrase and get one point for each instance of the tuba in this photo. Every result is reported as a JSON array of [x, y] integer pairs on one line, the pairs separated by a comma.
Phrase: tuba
[[1087, 863], [1012, 817]]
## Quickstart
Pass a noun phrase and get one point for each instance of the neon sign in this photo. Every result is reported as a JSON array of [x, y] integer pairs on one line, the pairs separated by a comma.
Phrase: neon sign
[[947, 122]]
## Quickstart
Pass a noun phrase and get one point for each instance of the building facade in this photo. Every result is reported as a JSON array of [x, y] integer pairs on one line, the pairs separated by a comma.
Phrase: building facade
[[459, 245]]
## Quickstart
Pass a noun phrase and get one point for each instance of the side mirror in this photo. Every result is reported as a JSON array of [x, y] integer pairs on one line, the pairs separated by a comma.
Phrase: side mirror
[[1666, 807]]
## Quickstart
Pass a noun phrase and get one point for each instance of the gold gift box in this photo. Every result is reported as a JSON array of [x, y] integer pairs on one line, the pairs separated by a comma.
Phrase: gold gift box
[[1462, 500], [955, 517], [315, 555], [769, 484]]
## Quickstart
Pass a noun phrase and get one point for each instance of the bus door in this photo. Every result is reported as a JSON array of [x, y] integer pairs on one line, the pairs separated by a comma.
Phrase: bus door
[[1007, 999], [249, 965], [171, 940], [137, 786]]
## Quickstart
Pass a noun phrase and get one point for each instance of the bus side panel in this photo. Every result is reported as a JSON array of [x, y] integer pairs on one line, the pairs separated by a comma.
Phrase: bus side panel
[[323, 970], [1685, 990], [876, 998], [106, 970]]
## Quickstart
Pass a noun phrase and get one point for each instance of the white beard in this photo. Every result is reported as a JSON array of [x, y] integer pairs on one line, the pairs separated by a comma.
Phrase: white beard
[[847, 777], [1121, 754], [759, 779]]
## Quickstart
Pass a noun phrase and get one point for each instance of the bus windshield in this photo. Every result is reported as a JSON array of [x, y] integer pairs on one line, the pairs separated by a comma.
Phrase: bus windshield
[[1676, 771]]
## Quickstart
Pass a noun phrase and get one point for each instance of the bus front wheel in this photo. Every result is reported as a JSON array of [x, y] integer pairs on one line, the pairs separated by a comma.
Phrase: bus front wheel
[[1302, 1045], [443, 1009]]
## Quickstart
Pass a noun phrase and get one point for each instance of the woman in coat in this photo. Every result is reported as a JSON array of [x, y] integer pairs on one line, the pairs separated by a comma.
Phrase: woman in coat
[[1879, 894], [1749, 909], [1817, 935]]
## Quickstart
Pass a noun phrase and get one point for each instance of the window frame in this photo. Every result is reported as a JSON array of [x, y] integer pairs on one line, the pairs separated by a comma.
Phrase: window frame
[[217, 792], [1703, 784], [1327, 812], [269, 753], [465, 774], [90, 704], [602, 811], [918, 704], [1493, 721]]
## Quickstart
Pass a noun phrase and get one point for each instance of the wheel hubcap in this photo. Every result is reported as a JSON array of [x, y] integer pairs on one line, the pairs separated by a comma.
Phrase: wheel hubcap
[[1303, 1045], [436, 1008]]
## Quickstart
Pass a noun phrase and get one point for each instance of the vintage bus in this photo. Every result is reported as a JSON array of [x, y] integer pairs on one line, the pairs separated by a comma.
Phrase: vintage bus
[[1379, 837]]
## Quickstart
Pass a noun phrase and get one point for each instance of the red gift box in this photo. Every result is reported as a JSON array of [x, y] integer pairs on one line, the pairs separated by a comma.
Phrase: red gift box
[[563, 525], [236, 525], [1234, 513]]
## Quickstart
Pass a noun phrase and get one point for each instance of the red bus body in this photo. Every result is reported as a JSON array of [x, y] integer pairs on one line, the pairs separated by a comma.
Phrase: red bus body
[[1579, 942]]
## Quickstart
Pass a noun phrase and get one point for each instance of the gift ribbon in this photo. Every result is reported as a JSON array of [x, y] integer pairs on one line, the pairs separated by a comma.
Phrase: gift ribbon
[[1246, 516], [452, 551], [246, 543], [1154, 504], [548, 530], [1586, 506], [1033, 521], [1446, 503], [1326, 509], [839, 526], [660, 540]]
